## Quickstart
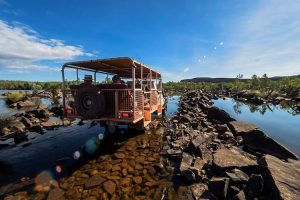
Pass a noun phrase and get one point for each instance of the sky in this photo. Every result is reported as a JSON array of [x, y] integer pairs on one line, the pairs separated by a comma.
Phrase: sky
[[181, 39]]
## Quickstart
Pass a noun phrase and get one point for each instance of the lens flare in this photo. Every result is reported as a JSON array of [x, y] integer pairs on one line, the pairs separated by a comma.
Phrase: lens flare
[[92, 145], [101, 136], [76, 155], [44, 181], [58, 169]]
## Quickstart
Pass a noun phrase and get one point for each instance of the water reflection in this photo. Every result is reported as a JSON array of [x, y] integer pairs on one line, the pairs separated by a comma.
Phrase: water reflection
[[280, 122], [262, 109]]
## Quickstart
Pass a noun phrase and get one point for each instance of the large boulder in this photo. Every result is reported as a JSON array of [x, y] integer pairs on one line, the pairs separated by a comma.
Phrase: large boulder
[[197, 141], [17, 126], [25, 104], [218, 114], [254, 186], [225, 159], [237, 176], [50, 124], [281, 178], [185, 165], [26, 122], [241, 127], [190, 167], [198, 189], [258, 141], [219, 187]]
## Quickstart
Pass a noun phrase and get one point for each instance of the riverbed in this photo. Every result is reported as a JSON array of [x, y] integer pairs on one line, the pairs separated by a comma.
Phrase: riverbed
[[62, 145]]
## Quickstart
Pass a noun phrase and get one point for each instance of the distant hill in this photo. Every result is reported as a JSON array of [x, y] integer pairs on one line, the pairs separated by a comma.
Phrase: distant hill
[[227, 80]]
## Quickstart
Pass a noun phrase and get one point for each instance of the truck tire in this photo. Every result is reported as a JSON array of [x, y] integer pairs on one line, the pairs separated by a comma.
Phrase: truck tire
[[90, 102]]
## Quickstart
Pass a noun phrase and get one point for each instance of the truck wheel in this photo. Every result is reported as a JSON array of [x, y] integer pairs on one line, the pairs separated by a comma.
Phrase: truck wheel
[[90, 102]]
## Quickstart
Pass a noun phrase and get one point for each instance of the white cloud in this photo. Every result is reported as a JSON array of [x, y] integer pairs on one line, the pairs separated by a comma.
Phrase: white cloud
[[21, 46], [269, 41], [186, 69]]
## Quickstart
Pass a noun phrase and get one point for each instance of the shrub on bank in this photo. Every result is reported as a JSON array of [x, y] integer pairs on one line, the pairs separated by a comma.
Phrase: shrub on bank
[[14, 97]]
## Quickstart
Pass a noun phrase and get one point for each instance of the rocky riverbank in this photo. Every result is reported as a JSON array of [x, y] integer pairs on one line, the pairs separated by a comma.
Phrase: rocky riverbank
[[202, 153], [220, 158], [35, 120]]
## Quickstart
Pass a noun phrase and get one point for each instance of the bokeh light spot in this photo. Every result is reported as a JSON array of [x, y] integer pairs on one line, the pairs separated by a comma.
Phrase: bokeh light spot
[[92, 145], [76, 155]]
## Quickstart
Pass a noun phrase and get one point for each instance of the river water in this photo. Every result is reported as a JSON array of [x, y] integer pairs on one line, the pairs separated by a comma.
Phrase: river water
[[279, 122], [63, 146]]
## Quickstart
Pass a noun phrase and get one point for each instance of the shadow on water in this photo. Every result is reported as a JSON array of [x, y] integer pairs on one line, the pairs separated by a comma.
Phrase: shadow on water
[[280, 122], [62, 150], [66, 148]]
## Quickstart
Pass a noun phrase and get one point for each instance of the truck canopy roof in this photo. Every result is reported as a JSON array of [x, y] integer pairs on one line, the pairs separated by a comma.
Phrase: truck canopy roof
[[121, 66]]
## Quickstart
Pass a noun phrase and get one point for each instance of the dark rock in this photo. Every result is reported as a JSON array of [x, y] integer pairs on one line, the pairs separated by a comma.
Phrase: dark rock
[[186, 163], [241, 127], [226, 159], [59, 111], [219, 187], [26, 122], [49, 124], [227, 135], [56, 194], [109, 187], [281, 178], [189, 175], [258, 141], [20, 137], [186, 118], [94, 181], [198, 190], [174, 153], [17, 127], [221, 127], [237, 176], [44, 114], [218, 114], [196, 142], [205, 153], [25, 104], [240, 196], [233, 190], [36, 128], [254, 186]]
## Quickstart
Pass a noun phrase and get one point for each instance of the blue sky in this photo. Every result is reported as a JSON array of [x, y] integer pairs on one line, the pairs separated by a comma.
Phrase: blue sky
[[182, 39]]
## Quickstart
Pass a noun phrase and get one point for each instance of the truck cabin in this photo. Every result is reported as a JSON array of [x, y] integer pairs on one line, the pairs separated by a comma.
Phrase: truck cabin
[[134, 93]]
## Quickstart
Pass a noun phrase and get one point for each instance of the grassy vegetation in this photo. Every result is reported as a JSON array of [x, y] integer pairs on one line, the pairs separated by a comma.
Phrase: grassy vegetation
[[14, 97], [27, 85], [256, 86]]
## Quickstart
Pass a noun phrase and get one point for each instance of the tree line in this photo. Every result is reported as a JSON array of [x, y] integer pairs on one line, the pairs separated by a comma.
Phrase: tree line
[[261, 85]]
